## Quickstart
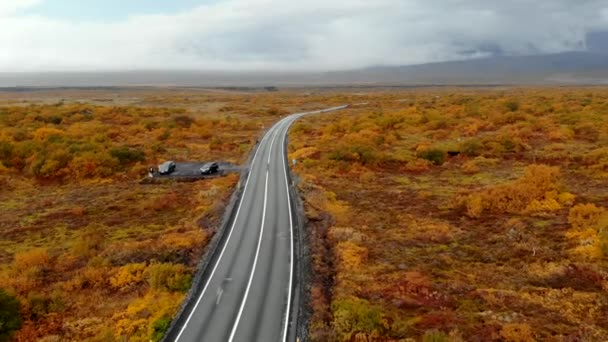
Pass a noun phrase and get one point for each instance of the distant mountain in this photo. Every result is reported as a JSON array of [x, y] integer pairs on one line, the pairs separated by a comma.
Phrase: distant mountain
[[569, 67], [563, 68]]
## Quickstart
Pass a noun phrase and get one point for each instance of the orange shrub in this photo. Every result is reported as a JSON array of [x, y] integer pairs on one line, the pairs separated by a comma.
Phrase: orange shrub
[[37, 257], [517, 332]]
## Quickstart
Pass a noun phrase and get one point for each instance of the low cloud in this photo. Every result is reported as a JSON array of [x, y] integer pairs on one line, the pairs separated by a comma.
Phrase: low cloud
[[9, 7], [289, 35]]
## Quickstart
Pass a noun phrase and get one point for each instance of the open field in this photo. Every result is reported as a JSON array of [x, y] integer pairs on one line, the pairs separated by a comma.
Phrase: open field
[[434, 214], [458, 215], [88, 252]]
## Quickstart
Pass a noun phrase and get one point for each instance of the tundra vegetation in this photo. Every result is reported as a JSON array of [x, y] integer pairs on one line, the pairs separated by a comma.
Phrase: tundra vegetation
[[458, 215], [87, 253]]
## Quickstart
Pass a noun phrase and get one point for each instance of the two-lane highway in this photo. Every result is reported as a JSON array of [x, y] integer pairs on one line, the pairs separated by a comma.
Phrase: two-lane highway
[[248, 294]]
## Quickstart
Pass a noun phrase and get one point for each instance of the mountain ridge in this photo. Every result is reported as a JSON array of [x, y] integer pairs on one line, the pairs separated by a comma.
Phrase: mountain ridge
[[560, 68]]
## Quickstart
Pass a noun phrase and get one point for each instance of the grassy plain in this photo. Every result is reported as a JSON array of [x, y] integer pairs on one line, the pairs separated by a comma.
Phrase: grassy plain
[[434, 214], [458, 215]]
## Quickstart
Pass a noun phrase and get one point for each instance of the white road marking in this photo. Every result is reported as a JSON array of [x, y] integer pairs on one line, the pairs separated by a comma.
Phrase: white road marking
[[272, 142], [287, 312], [225, 244], [220, 291]]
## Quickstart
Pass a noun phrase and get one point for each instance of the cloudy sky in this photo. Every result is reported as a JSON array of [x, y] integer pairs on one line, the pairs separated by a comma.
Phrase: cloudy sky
[[66, 35]]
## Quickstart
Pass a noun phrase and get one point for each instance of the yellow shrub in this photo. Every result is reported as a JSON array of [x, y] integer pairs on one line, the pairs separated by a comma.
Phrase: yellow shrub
[[338, 209], [128, 275], [535, 191], [351, 255], [136, 323], [545, 205], [589, 252], [589, 227], [539, 179], [43, 133], [474, 206], [303, 153], [584, 216], [566, 198], [548, 203]]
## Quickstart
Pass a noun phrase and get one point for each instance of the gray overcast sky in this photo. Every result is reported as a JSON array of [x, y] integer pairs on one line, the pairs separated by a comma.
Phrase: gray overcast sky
[[64, 35]]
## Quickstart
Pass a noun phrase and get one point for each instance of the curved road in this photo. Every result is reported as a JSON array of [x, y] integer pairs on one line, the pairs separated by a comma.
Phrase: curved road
[[248, 295]]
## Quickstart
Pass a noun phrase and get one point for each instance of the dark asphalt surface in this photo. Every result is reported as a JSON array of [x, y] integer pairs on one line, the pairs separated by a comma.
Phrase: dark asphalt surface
[[192, 170], [248, 295]]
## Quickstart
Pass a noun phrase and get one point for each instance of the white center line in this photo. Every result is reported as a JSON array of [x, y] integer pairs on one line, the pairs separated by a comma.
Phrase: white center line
[[257, 252]]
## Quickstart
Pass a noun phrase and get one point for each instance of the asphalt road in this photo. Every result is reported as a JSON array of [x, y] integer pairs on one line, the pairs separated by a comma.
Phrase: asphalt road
[[248, 294]]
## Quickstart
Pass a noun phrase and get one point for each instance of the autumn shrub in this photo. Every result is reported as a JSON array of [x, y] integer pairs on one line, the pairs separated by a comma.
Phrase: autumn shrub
[[587, 131], [10, 315], [6, 152], [596, 157], [37, 258], [39, 304], [434, 155], [603, 236], [184, 121], [128, 276], [173, 277], [478, 286], [169, 200], [90, 164], [127, 155], [475, 165], [536, 190], [512, 105], [417, 165], [589, 229], [549, 202], [352, 315], [517, 332], [50, 164], [94, 276], [389, 122], [89, 241], [367, 177], [472, 147], [583, 216], [470, 167], [362, 154], [159, 327], [145, 317], [561, 133], [474, 206], [435, 336], [510, 144]]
